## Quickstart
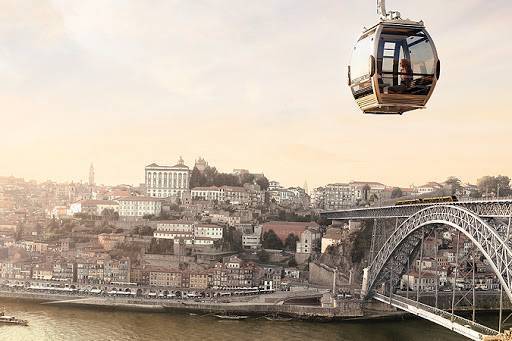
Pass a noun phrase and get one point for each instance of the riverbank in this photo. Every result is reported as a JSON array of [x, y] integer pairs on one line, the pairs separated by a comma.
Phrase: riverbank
[[349, 309]]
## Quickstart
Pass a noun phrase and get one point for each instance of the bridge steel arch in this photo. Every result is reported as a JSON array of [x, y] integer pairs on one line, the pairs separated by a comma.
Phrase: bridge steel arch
[[405, 239]]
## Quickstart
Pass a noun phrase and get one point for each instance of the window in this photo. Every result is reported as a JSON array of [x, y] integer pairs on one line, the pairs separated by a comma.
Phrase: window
[[360, 67], [405, 63]]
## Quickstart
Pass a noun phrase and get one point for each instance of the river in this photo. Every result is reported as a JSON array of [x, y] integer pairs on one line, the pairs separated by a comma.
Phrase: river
[[56, 323]]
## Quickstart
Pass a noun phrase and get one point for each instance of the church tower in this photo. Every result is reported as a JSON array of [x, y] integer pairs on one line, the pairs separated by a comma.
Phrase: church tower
[[91, 175]]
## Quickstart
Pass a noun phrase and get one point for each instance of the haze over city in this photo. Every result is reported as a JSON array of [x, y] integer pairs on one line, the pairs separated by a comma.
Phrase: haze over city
[[258, 85]]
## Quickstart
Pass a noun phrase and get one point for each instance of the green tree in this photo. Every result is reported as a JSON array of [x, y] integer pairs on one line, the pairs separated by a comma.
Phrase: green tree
[[271, 241], [396, 193], [503, 186], [290, 242], [263, 183], [197, 179], [143, 230], [246, 179], [109, 215], [494, 185], [366, 192], [454, 184]]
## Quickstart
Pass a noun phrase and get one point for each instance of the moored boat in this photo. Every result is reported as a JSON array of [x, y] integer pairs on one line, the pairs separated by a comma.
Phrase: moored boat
[[231, 317], [6, 319]]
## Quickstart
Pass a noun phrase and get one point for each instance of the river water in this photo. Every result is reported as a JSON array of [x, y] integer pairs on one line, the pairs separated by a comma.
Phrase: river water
[[55, 323]]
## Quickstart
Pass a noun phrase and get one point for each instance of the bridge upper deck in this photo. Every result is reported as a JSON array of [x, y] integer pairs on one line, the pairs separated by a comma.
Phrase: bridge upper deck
[[483, 208]]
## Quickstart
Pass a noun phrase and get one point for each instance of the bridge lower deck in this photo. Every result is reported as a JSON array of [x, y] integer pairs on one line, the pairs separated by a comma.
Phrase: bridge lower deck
[[460, 325]]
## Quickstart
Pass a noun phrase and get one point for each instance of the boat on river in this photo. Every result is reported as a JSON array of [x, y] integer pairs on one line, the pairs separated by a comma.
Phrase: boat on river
[[6, 319], [231, 317]]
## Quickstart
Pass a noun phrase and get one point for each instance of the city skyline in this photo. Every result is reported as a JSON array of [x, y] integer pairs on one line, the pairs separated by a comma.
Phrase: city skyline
[[278, 103], [86, 179]]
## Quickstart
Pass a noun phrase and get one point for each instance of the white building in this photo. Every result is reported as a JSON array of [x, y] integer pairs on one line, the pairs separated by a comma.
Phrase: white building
[[235, 195], [333, 236], [208, 231], [429, 188], [251, 241], [94, 207], [307, 240], [166, 181], [174, 229], [189, 232], [139, 206]]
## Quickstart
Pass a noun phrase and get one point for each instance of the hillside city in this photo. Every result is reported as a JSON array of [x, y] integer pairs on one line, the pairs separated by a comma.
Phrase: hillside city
[[196, 231]]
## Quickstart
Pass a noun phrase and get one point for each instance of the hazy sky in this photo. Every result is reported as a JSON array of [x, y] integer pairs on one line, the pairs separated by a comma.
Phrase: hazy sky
[[245, 84]]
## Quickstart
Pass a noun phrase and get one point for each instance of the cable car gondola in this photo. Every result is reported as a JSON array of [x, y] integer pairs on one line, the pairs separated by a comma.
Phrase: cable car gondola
[[394, 66]]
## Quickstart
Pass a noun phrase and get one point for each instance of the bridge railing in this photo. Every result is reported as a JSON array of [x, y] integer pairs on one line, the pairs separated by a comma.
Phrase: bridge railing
[[405, 304]]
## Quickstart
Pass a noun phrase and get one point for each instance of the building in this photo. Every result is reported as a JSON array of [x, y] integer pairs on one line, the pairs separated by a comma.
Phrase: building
[[342, 195], [233, 194], [42, 272], [190, 233], [234, 273], [198, 280], [251, 241], [91, 175], [201, 164], [284, 228], [164, 277], [308, 240], [429, 188], [425, 282], [208, 231], [117, 270], [333, 236], [64, 271], [167, 181], [334, 196], [109, 241], [138, 207], [93, 207]]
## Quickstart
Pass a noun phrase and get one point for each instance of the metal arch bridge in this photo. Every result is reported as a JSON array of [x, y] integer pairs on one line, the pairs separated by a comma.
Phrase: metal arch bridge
[[486, 223]]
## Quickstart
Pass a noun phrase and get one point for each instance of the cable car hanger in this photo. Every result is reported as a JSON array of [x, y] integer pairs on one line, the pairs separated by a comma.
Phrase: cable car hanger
[[394, 66]]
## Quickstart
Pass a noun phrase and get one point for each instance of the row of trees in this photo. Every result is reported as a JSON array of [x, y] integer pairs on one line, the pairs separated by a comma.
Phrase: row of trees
[[272, 241], [498, 186], [212, 177]]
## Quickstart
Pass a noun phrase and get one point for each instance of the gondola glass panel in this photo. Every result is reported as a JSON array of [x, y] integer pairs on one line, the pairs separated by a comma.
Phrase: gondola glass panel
[[405, 63], [360, 78]]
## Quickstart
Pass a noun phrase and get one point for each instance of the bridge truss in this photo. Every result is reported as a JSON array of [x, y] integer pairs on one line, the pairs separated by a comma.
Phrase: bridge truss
[[397, 238]]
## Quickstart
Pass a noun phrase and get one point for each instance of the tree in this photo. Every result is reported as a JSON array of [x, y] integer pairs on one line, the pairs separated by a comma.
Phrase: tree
[[197, 179], [365, 192], [109, 215], [263, 183], [454, 184], [271, 241], [161, 246], [494, 185], [290, 242], [143, 230], [246, 179], [503, 186], [373, 197], [396, 193]]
